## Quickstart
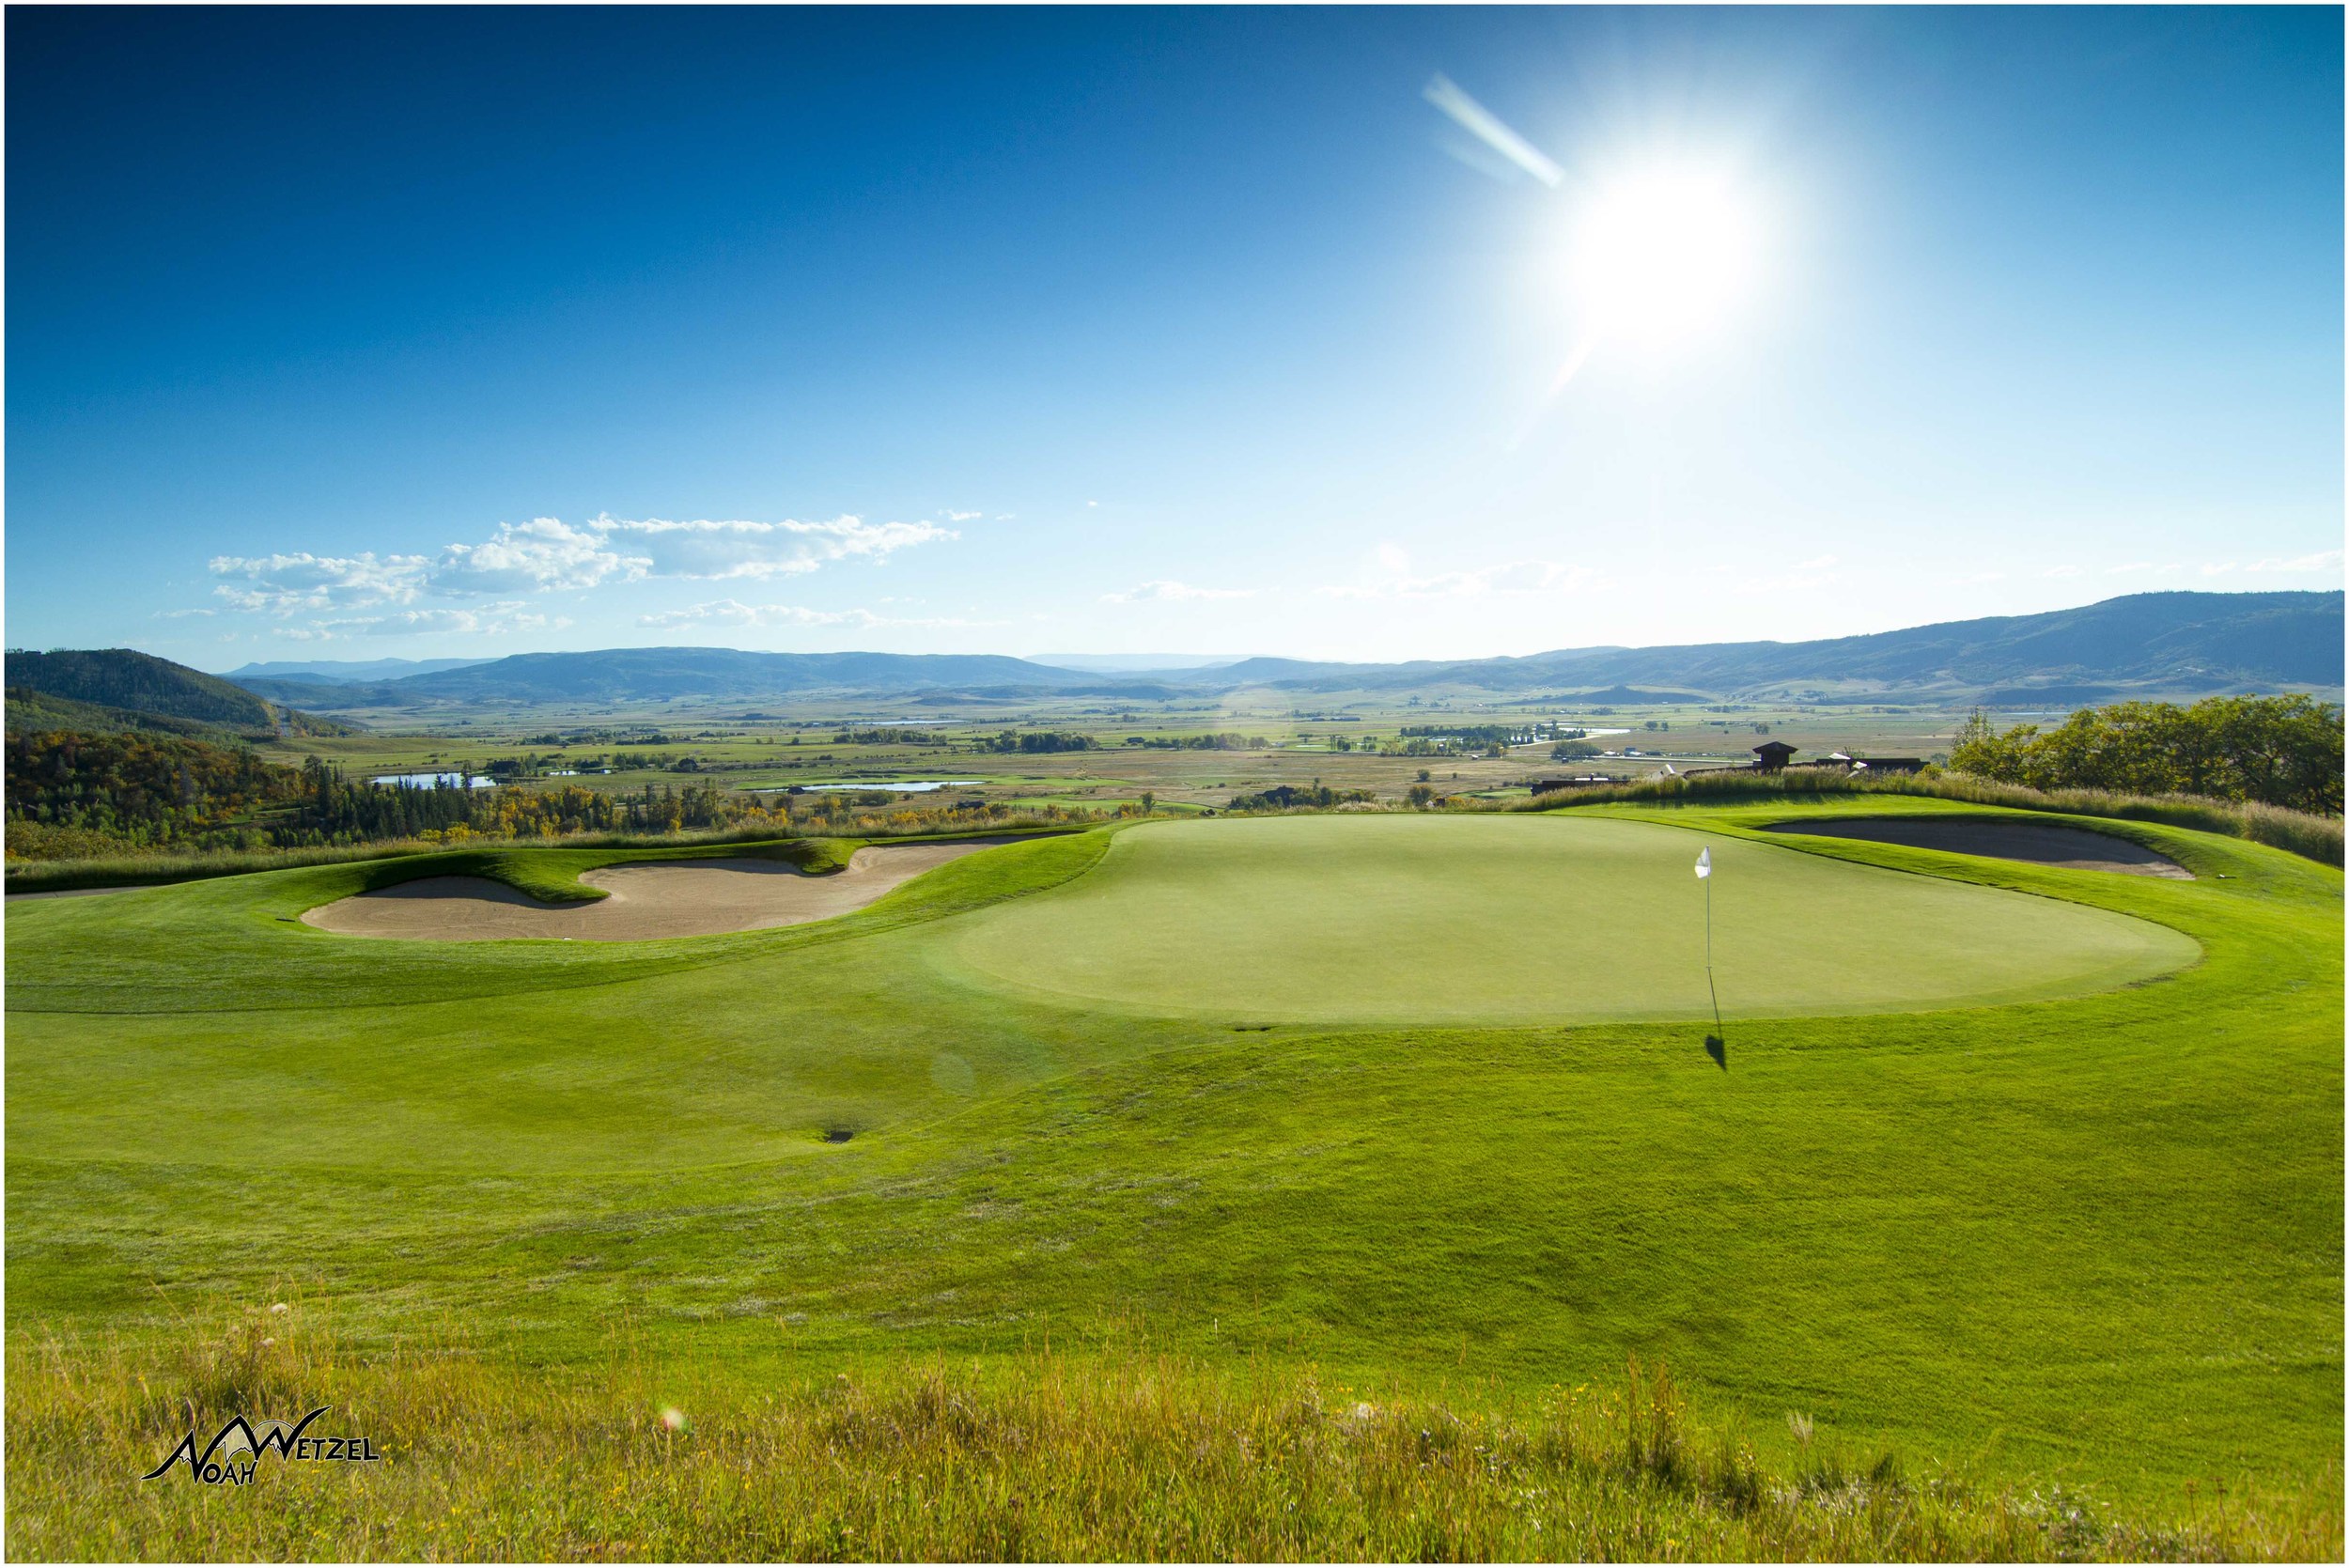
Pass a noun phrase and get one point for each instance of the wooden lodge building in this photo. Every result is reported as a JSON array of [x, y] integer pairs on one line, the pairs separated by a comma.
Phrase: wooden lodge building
[[1771, 756], [1776, 756]]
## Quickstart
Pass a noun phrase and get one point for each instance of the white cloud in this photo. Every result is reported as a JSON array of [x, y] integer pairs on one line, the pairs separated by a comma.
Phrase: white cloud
[[960, 516], [533, 557], [1389, 575], [717, 550], [2061, 571], [181, 614], [2133, 567], [1165, 590], [2322, 560], [289, 584], [487, 620], [548, 555], [1803, 576], [1974, 579], [727, 611]]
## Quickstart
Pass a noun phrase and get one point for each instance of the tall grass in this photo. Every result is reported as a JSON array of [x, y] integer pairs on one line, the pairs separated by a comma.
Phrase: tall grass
[[1092, 1455], [1046, 1455], [2317, 838]]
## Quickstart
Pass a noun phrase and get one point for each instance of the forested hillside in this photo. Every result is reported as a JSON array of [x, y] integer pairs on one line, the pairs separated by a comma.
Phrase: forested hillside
[[139, 683]]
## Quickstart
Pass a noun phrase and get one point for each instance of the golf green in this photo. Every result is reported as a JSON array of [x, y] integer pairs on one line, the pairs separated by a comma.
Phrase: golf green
[[1394, 919]]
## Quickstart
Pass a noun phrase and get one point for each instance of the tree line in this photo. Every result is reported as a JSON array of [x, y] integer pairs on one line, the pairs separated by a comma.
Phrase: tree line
[[2276, 751], [1035, 741], [1287, 797], [76, 793]]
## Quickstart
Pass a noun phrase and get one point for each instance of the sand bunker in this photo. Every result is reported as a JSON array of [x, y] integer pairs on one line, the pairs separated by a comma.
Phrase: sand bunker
[[649, 899], [2040, 843]]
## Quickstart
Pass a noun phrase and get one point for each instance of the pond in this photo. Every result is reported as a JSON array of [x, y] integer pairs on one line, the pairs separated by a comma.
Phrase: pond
[[435, 781], [903, 786]]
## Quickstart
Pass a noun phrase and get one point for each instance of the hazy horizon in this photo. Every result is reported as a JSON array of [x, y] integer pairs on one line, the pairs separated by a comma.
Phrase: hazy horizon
[[1105, 663]]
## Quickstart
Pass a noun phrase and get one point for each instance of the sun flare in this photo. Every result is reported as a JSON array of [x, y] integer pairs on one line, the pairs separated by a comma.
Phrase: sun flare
[[1661, 255]]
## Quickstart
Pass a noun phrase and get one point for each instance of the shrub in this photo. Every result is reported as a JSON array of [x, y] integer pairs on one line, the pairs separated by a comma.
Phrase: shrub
[[2316, 838], [2276, 751]]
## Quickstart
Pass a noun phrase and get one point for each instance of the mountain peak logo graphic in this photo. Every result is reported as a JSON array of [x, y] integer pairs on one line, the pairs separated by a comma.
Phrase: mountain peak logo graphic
[[239, 1439]]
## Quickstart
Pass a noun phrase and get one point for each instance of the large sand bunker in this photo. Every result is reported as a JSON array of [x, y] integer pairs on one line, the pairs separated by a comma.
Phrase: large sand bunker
[[649, 899], [2040, 843]]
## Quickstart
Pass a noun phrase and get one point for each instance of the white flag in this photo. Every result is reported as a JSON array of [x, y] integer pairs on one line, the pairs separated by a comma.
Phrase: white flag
[[1704, 863]]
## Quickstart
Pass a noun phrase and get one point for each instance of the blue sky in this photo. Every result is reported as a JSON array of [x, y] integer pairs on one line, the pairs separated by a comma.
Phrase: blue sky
[[435, 332]]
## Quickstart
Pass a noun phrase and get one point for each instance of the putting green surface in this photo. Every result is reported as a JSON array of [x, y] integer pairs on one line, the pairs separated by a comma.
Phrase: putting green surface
[[1513, 919]]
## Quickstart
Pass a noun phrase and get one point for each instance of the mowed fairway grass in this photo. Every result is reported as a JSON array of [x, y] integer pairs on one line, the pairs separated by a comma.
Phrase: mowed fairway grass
[[1517, 918], [2030, 1172]]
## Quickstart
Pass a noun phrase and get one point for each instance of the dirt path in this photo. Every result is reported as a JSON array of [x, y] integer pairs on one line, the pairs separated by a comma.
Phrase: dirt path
[[2040, 843], [649, 899]]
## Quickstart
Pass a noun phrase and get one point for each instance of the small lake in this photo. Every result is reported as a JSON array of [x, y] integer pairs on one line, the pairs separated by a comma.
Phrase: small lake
[[435, 781], [903, 786]]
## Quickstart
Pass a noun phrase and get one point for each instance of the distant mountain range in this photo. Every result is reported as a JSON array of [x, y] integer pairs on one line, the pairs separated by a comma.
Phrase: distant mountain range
[[347, 672], [2176, 643], [1127, 664]]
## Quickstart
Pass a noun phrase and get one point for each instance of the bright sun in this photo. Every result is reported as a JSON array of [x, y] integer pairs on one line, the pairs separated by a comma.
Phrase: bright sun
[[1660, 256]]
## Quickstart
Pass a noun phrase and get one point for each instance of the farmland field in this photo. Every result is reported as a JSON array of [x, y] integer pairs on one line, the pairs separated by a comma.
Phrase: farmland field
[[2031, 1173]]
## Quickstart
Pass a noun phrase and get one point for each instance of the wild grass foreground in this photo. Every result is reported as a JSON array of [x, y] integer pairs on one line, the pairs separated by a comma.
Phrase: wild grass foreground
[[1052, 1457]]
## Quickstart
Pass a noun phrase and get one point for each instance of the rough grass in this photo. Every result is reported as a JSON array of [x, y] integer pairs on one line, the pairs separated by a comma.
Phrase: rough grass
[[1099, 1455], [2317, 838]]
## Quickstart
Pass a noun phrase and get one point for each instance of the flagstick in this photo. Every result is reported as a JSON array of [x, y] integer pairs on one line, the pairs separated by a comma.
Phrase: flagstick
[[1710, 989]]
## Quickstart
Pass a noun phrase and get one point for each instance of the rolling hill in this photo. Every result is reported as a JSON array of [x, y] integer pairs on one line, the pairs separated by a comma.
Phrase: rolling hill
[[2183, 641], [2171, 644], [346, 671], [88, 685]]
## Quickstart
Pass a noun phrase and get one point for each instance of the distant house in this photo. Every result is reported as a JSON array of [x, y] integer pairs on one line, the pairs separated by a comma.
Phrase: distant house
[[1581, 780], [1867, 764], [1771, 755]]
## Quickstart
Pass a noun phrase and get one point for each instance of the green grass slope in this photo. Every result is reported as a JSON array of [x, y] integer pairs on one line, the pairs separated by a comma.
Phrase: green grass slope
[[2096, 1238]]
